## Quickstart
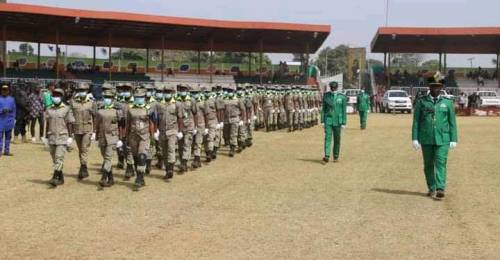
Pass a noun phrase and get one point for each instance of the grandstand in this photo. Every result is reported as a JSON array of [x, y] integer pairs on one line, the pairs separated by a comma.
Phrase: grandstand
[[62, 26]]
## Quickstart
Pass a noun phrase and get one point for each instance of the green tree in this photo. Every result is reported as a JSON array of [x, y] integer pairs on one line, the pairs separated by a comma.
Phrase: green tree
[[26, 49], [336, 57], [406, 60], [431, 65]]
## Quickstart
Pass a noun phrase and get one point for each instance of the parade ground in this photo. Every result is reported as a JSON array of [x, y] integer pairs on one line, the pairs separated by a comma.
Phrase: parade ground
[[276, 200]]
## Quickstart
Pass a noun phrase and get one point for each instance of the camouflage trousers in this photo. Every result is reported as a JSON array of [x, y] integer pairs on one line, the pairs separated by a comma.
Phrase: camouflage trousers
[[57, 153], [83, 143]]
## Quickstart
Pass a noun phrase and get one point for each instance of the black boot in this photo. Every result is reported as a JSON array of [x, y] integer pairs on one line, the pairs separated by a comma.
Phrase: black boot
[[120, 162], [169, 171], [159, 164], [139, 180], [214, 153], [196, 162], [55, 179], [148, 167], [249, 143], [129, 172], [104, 178], [209, 156], [60, 177], [111, 180], [183, 167], [83, 173], [231, 151]]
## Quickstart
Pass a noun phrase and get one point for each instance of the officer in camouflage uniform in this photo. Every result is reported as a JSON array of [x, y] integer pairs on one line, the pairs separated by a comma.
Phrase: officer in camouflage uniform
[[211, 122], [84, 112], [199, 117], [268, 107], [242, 128], [258, 107], [276, 108], [250, 114], [140, 127], [109, 125], [188, 125], [59, 121], [219, 104], [289, 109], [151, 103], [159, 92], [125, 100], [234, 112], [168, 113], [296, 113]]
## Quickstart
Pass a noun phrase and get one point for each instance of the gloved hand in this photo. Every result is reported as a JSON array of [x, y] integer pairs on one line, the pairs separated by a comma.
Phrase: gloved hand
[[69, 141], [156, 135], [221, 125], [92, 137], [45, 142], [416, 145], [254, 118], [205, 132], [453, 145], [272, 110], [119, 144], [179, 135], [240, 123], [249, 121], [195, 131]]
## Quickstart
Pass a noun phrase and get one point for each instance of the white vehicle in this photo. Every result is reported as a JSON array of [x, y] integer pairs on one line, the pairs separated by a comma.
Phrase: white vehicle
[[488, 98], [447, 95], [352, 95], [396, 100]]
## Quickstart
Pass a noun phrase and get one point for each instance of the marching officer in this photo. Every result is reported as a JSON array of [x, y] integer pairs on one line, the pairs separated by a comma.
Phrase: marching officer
[[334, 118], [235, 114], [109, 125], [125, 100], [168, 116], [268, 107], [363, 105], [211, 122], [140, 127], [83, 109], [201, 130], [435, 131], [289, 107], [59, 121], [188, 126], [250, 115], [219, 104]]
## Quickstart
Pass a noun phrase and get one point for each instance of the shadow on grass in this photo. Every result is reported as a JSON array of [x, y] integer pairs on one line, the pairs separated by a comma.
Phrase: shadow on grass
[[401, 192], [318, 161]]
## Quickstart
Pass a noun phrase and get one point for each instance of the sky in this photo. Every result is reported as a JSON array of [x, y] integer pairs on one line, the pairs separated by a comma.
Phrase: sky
[[354, 22]]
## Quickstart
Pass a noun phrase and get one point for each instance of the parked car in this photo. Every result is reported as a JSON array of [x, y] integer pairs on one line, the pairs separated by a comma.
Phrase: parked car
[[396, 100], [488, 98]]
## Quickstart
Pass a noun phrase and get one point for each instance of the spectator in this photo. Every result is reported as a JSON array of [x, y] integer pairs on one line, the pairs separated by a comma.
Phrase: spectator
[[7, 118], [47, 95], [22, 112], [462, 100], [36, 112]]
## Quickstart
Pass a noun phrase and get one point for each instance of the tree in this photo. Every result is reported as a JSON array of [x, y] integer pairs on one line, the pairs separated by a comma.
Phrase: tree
[[336, 57], [406, 60], [26, 49], [431, 65]]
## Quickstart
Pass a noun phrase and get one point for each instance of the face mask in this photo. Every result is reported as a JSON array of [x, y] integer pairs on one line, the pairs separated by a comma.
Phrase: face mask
[[56, 100], [183, 94], [149, 94], [126, 94], [139, 101], [108, 101], [230, 94], [159, 95], [82, 94], [168, 96]]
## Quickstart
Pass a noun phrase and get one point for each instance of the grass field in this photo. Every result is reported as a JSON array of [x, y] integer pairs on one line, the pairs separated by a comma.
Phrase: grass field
[[274, 201]]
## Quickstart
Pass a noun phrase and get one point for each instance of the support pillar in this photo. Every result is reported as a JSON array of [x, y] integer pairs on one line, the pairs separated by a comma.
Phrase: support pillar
[[388, 71], [211, 59], [249, 63], [199, 62], [306, 64], [261, 50], [385, 66], [4, 50], [93, 57], [498, 69], [57, 54], [146, 68], [162, 58], [445, 71], [440, 62], [38, 57], [110, 38]]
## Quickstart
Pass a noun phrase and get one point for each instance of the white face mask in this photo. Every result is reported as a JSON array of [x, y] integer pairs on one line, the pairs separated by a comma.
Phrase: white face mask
[[56, 100]]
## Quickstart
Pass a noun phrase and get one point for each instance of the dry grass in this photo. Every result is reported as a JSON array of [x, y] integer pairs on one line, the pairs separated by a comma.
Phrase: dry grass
[[275, 200]]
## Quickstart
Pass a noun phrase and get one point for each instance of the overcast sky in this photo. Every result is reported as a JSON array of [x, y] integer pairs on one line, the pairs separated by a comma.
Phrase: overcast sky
[[354, 22]]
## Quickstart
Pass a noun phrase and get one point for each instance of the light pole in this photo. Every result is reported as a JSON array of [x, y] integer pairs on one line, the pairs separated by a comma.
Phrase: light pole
[[386, 13]]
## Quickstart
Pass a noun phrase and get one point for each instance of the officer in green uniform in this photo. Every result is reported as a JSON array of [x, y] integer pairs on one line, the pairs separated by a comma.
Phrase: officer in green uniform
[[435, 131], [363, 105], [334, 118]]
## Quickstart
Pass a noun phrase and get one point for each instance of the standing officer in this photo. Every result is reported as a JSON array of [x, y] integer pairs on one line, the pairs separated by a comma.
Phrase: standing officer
[[151, 102], [188, 127], [435, 131], [201, 130], [7, 119], [234, 109], [211, 122], [125, 100], [363, 105], [140, 127], [168, 113], [59, 120], [250, 115], [268, 107], [219, 104], [109, 125], [83, 110], [289, 109], [334, 118]]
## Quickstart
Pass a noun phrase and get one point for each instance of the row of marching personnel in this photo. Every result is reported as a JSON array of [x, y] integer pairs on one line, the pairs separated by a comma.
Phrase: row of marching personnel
[[168, 122]]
